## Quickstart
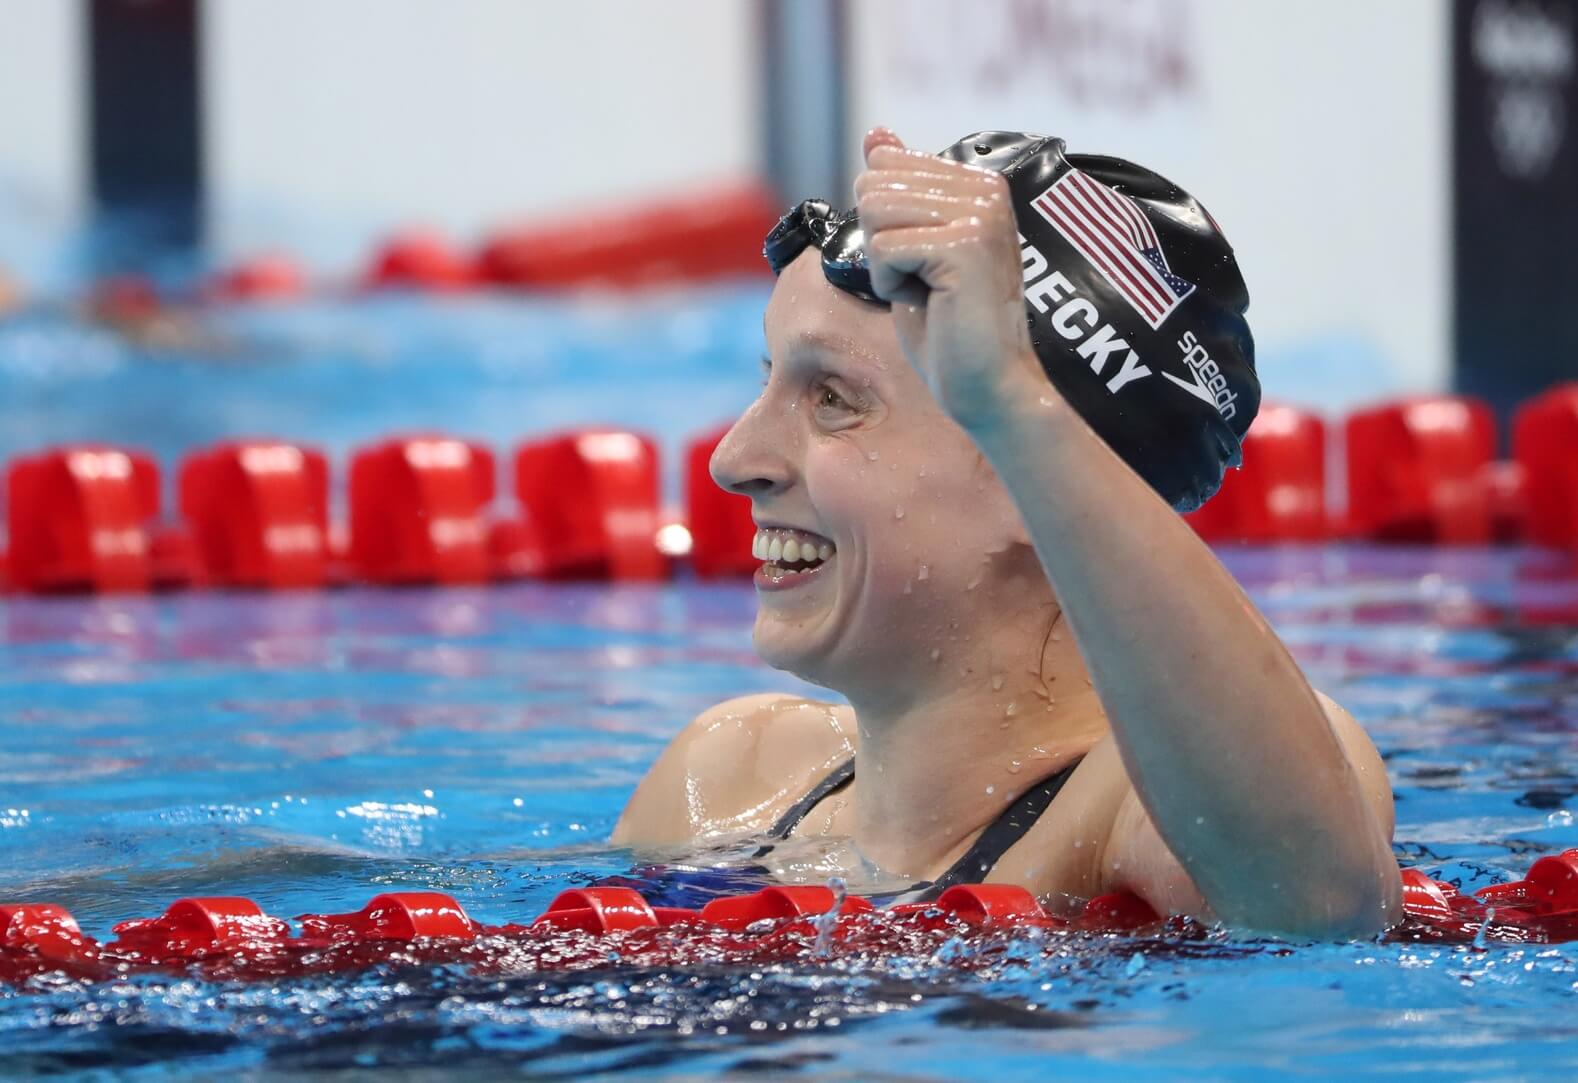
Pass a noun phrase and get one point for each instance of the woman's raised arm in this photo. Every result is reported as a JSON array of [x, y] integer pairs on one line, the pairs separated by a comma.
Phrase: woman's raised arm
[[1226, 743]]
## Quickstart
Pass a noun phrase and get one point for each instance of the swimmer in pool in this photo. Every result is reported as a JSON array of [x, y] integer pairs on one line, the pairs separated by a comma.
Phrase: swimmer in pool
[[987, 391]]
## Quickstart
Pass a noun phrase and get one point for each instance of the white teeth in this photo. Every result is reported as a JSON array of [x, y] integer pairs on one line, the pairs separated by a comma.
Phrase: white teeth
[[780, 545]]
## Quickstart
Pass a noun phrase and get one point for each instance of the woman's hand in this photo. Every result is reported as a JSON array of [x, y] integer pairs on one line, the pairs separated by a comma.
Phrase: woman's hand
[[944, 250]]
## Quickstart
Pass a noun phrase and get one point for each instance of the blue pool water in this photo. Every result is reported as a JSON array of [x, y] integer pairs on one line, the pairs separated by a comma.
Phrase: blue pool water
[[311, 750]]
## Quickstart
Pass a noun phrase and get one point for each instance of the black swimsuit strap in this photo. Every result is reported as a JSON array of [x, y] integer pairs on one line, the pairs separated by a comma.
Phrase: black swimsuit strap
[[798, 811], [989, 847], [998, 838]]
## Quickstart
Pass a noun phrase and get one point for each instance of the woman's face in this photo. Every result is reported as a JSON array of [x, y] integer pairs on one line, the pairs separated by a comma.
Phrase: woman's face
[[846, 454]]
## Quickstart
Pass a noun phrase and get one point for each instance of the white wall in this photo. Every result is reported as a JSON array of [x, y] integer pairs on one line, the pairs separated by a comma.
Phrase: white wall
[[327, 124], [1317, 134], [42, 165]]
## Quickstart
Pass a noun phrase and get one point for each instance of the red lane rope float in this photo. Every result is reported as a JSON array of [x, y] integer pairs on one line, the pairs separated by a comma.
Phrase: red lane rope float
[[1280, 492], [1420, 471], [591, 503], [419, 511], [258, 512], [232, 938], [254, 514]]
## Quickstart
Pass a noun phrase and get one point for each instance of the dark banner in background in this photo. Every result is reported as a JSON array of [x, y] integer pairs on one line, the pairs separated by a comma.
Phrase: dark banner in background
[[1515, 204], [144, 123]]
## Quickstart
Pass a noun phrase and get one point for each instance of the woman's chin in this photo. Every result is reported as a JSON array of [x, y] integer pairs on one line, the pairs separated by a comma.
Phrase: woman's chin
[[789, 645]]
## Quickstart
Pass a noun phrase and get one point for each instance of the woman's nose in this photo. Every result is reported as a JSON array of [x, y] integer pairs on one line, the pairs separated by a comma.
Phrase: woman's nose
[[746, 462]]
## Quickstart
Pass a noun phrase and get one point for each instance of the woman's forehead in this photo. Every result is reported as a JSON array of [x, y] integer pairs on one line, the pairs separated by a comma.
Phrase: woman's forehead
[[806, 315]]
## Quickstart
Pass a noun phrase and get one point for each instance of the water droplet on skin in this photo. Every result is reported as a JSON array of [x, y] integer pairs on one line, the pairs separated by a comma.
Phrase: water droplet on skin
[[990, 789], [1013, 767], [972, 584], [898, 513], [872, 455], [936, 653], [997, 682], [924, 573]]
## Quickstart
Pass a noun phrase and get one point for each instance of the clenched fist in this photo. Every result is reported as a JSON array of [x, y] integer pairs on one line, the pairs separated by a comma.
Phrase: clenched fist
[[944, 251]]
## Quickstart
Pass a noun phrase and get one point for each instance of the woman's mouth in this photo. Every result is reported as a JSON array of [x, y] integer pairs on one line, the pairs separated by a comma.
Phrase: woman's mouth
[[789, 557]]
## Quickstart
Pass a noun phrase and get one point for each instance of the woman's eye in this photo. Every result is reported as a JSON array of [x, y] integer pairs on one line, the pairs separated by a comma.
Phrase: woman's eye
[[829, 399]]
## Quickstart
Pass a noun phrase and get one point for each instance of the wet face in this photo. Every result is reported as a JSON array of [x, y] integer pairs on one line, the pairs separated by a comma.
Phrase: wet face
[[882, 532]]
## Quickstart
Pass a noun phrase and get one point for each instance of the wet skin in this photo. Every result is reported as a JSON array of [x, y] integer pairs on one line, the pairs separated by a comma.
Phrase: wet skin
[[921, 448]]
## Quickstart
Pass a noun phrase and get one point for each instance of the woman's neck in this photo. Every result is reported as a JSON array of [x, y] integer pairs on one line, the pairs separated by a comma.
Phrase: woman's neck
[[934, 769]]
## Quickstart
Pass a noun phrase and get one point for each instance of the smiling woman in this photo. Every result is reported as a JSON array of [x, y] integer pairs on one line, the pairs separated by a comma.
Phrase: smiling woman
[[978, 388]]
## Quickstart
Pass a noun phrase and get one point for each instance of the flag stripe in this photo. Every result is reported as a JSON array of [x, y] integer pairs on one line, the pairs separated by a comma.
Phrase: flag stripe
[[1141, 274], [1090, 248], [1160, 289], [1099, 253], [1112, 232], [1145, 236], [1124, 210]]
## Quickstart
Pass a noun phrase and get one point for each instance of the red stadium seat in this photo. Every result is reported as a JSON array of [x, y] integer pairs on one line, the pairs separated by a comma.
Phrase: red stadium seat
[[591, 503], [419, 260], [720, 522], [126, 298], [258, 513], [690, 238], [1419, 471], [1545, 445], [79, 518], [1280, 492], [419, 511], [263, 278]]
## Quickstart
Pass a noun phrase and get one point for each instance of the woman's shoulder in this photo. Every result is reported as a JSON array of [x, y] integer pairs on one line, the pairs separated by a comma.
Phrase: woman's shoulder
[[736, 767]]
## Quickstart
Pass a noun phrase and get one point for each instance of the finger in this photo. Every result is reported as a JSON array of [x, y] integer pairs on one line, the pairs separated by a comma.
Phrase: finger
[[974, 181], [905, 263], [879, 137], [887, 156], [890, 208]]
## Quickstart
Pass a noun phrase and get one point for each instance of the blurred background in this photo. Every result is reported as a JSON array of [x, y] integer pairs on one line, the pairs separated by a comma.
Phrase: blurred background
[[333, 221]]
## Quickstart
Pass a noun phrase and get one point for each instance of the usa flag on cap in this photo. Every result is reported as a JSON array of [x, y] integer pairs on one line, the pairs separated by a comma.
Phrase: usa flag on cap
[[1111, 231]]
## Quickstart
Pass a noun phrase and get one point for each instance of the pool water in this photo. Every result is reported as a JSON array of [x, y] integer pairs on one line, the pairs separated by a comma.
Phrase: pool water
[[310, 750]]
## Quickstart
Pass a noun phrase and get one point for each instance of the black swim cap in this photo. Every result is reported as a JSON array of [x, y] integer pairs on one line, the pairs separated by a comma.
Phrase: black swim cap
[[1135, 302]]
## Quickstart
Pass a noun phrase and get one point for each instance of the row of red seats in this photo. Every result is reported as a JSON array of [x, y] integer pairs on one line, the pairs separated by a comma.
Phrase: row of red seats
[[421, 509], [1422, 470], [232, 936]]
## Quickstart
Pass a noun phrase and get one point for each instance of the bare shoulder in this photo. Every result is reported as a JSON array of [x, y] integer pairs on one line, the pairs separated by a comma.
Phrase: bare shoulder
[[735, 768]]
